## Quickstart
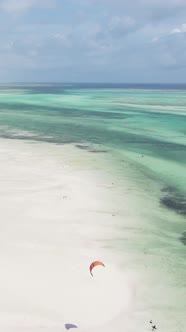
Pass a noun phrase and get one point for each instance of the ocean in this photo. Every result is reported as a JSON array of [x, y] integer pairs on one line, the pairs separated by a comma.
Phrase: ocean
[[136, 134]]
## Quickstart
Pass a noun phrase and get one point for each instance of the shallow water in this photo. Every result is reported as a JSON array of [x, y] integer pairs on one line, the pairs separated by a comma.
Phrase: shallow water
[[147, 126], [138, 136]]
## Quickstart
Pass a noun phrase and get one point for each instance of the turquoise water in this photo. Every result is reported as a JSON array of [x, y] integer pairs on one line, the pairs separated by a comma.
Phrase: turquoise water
[[144, 126], [140, 132], [147, 125]]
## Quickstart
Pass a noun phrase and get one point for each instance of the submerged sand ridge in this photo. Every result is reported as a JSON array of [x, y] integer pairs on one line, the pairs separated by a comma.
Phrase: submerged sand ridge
[[59, 212]]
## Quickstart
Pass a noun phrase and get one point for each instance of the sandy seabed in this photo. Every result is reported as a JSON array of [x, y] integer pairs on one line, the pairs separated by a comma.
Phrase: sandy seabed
[[59, 212], [54, 220]]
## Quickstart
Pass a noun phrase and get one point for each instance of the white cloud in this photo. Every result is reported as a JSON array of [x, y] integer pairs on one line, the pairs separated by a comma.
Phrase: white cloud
[[155, 39], [170, 49], [110, 36], [175, 31], [179, 30], [19, 6]]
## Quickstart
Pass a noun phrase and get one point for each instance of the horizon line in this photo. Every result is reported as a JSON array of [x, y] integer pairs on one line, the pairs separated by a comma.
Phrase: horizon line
[[76, 82]]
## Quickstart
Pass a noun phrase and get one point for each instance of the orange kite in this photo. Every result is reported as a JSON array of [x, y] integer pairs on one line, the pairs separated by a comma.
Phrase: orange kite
[[95, 263]]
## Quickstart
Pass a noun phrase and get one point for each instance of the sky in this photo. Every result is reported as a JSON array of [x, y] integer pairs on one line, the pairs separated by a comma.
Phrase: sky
[[128, 41]]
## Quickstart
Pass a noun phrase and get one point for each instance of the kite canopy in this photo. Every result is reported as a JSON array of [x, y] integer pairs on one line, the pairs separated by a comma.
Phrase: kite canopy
[[95, 263]]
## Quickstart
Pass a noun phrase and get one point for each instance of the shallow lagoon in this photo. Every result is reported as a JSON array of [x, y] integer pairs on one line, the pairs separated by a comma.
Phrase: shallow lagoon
[[138, 136]]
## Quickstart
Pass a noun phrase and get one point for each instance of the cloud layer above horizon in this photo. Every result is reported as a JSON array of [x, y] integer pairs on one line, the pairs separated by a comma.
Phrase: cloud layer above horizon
[[93, 40]]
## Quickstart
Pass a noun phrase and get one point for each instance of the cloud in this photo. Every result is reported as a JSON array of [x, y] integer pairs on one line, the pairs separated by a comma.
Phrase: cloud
[[104, 39], [119, 26], [181, 29], [155, 39], [19, 6], [144, 4], [170, 49], [148, 10], [107, 36], [162, 3]]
